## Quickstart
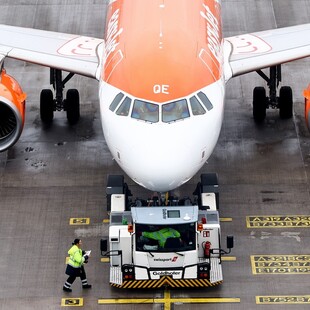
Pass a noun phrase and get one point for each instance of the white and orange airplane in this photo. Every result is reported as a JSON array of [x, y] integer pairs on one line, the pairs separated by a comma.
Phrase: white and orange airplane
[[162, 68]]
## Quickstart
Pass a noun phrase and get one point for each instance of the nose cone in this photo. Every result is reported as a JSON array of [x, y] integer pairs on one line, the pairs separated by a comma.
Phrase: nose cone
[[163, 169], [165, 164]]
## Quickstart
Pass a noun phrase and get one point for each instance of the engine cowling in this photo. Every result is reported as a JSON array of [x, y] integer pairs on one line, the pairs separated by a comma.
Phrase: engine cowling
[[12, 111]]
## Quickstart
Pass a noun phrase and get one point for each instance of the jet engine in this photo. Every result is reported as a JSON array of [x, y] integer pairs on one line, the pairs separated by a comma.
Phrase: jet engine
[[12, 111], [307, 106]]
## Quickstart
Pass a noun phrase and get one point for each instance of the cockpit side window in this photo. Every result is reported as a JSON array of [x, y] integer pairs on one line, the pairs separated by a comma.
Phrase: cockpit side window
[[174, 111], [145, 111], [205, 100], [124, 108], [197, 108], [116, 101]]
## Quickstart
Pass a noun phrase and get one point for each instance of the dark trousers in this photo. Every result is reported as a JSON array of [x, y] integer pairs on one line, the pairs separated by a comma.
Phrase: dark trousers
[[81, 274], [71, 279]]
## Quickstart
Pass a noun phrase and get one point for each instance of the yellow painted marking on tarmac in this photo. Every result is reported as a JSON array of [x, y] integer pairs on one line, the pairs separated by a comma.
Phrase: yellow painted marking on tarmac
[[106, 221], [167, 298], [280, 264], [267, 300], [125, 301], [229, 258], [79, 221], [72, 302], [105, 260], [167, 301], [278, 221], [225, 219]]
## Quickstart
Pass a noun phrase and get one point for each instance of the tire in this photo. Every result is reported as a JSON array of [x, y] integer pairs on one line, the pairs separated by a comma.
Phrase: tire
[[46, 106], [259, 104], [72, 106], [286, 102]]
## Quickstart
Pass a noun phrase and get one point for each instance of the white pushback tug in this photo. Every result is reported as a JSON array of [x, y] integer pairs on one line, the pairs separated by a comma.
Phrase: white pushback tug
[[176, 243]]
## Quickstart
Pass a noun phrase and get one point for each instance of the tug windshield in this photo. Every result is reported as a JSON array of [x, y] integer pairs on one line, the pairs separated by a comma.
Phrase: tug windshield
[[163, 238]]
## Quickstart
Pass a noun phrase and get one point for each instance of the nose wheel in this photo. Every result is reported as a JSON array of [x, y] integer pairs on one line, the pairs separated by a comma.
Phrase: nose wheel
[[49, 103]]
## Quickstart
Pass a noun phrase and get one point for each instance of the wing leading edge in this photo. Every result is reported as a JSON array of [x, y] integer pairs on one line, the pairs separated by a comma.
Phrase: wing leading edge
[[79, 54], [250, 52], [72, 53]]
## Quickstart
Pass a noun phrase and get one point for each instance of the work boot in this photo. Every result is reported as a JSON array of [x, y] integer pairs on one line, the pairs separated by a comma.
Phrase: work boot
[[86, 286], [66, 289]]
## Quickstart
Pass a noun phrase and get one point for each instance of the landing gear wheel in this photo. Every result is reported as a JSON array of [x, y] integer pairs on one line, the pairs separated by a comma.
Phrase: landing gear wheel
[[259, 104], [286, 102], [72, 105], [46, 106]]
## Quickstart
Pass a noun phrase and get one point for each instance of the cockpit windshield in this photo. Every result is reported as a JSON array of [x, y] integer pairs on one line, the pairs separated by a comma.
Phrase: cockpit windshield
[[174, 111], [160, 238], [145, 111], [169, 112]]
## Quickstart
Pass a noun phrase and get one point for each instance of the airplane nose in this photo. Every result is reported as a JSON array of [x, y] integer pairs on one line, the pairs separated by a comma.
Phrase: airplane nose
[[164, 166]]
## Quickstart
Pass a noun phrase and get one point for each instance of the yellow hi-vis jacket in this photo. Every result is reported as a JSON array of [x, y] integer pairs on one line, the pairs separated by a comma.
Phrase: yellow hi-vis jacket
[[76, 259]]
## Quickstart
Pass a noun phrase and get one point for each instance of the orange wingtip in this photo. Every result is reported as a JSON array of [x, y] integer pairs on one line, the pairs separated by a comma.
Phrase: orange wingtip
[[23, 97], [307, 92]]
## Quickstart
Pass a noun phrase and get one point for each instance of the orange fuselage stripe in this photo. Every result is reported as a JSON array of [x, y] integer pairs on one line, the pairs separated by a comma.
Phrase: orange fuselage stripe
[[163, 50]]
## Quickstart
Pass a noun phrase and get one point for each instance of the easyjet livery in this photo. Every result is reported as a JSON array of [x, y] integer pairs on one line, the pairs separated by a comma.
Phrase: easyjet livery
[[162, 68]]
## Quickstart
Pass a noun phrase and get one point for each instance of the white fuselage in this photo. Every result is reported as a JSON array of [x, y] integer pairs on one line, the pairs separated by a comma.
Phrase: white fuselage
[[162, 156], [159, 62]]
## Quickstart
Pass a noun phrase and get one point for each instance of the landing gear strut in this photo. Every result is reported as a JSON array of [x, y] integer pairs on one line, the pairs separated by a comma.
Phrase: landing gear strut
[[49, 104], [261, 102]]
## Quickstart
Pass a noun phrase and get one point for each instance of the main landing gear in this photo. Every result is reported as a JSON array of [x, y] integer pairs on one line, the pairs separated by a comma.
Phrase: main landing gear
[[49, 104], [261, 102]]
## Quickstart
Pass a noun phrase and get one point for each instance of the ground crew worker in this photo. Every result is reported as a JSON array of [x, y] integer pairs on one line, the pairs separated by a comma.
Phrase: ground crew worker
[[162, 235], [75, 266]]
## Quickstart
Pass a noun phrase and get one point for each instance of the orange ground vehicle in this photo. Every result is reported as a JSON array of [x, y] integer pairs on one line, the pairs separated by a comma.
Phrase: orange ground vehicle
[[307, 106]]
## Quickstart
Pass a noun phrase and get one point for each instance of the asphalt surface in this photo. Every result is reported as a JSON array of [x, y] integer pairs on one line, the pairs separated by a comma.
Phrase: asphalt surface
[[57, 173]]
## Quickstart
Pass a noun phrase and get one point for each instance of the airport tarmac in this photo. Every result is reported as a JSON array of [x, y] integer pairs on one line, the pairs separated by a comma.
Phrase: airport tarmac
[[56, 174]]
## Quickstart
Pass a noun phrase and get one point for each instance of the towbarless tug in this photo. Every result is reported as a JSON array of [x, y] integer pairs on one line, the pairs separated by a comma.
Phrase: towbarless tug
[[176, 243]]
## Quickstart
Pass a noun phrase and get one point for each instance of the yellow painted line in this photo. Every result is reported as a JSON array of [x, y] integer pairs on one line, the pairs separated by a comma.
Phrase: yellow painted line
[[105, 260], [125, 301], [267, 300], [278, 221], [229, 258], [79, 221], [280, 264], [167, 300], [106, 221], [72, 302], [205, 300], [225, 219]]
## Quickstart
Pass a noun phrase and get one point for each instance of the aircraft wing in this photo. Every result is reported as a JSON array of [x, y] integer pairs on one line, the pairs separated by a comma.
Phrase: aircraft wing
[[254, 51], [72, 53]]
